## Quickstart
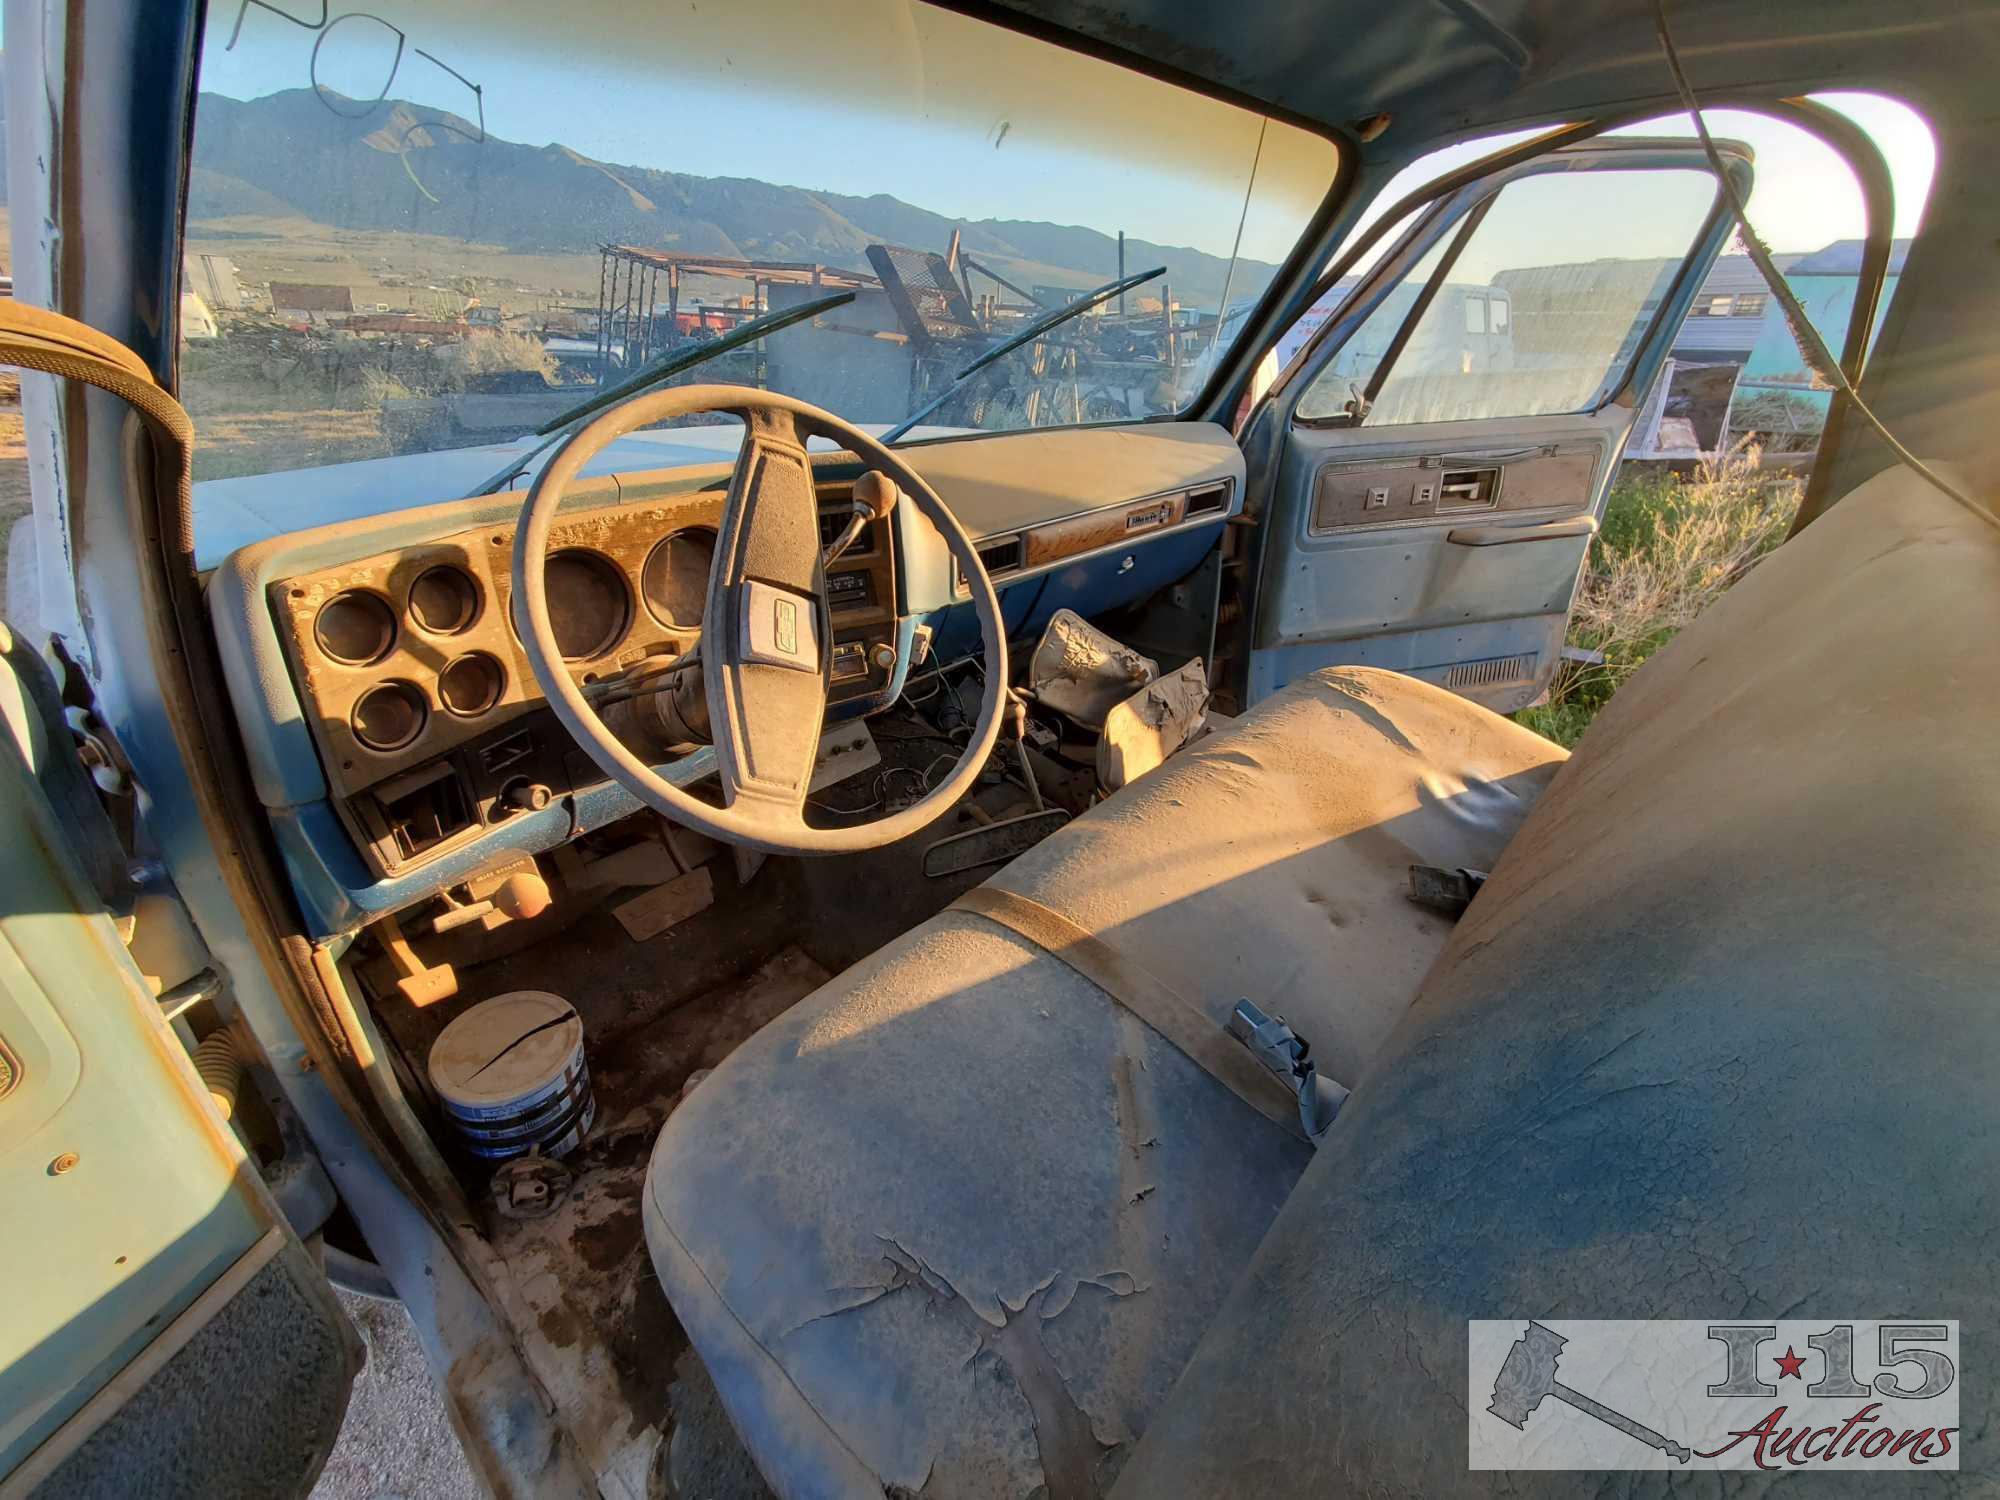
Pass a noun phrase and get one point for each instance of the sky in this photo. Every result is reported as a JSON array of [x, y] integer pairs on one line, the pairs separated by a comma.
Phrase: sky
[[1802, 197], [845, 96], [877, 96]]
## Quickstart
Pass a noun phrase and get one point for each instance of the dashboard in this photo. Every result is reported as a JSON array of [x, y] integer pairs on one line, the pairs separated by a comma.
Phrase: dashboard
[[395, 731], [423, 705]]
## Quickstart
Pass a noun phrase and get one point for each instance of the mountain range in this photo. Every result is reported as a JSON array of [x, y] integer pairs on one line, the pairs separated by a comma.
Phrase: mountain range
[[400, 166]]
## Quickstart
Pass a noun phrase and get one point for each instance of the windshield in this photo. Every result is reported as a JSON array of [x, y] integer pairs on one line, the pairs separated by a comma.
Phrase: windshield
[[443, 225]]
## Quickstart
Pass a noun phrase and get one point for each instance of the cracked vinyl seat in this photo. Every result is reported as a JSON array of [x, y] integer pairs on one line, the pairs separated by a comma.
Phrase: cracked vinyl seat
[[1717, 1038], [956, 1221]]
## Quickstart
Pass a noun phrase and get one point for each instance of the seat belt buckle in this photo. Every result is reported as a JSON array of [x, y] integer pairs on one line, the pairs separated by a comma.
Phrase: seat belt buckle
[[1273, 1043], [1447, 891]]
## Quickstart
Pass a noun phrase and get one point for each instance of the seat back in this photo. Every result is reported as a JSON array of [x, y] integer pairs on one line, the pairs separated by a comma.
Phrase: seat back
[[1718, 1040]]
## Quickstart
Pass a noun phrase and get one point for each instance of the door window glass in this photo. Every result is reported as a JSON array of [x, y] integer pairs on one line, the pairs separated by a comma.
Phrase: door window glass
[[1580, 261], [1339, 388]]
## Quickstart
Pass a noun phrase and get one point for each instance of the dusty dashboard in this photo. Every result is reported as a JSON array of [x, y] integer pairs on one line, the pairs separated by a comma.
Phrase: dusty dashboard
[[396, 735], [420, 699]]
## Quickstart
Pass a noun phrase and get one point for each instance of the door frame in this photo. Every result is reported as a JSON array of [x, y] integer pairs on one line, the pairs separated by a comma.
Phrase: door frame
[[1825, 124], [1450, 213], [1264, 424]]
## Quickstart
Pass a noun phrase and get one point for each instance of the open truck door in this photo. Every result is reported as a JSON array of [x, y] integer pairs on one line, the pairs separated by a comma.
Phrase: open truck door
[[1447, 440], [166, 1331]]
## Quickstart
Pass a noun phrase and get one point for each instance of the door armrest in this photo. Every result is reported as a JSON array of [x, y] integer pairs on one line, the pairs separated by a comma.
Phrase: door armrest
[[1501, 535]]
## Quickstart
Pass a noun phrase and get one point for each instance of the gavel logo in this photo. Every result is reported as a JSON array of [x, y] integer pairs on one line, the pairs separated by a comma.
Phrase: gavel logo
[[1529, 1374]]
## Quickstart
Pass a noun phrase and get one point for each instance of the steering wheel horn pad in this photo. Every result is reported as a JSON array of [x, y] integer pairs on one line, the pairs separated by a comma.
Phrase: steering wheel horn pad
[[777, 627], [767, 717]]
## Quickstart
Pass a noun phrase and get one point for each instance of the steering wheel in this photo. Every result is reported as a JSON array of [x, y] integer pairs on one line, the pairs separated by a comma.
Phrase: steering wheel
[[766, 638]]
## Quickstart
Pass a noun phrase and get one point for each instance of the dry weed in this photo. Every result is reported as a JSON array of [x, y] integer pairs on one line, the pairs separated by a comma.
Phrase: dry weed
[[1669, 548], [501, 350]]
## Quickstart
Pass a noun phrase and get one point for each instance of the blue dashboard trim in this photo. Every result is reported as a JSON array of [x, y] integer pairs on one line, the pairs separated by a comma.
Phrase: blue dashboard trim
[[338, 895], [1089, 586]]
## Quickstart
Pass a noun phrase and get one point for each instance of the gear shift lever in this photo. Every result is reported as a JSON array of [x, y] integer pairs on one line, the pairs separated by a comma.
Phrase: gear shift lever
[[875, 495]]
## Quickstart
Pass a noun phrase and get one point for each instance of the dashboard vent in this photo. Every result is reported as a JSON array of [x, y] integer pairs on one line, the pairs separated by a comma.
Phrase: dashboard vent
[[1001, 555], [1211, 501]]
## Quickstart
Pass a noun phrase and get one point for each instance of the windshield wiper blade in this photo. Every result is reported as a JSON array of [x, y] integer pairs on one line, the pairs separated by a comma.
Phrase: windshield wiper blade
[[673, 364], [1027, 335]]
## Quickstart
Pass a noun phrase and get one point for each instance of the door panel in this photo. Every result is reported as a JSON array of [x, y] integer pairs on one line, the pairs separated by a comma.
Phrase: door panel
[[165, 1331], [1434, 499], [1351, 492], [1391, 569]]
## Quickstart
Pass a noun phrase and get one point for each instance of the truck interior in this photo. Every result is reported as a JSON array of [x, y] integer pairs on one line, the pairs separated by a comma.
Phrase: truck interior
[[890, 859]]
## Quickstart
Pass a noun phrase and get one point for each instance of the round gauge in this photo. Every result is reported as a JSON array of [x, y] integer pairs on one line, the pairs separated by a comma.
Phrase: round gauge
[[444, 600], [389, 715], [471, 684], [589, 603], [355, 628], [675, 580]]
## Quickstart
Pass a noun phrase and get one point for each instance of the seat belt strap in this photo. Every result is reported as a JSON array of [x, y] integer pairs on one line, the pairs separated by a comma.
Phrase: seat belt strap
[[1177, 1020]]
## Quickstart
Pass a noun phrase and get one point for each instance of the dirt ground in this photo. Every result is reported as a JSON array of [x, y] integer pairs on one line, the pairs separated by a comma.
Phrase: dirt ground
[[13, 471], [229, 443], [397, 1443], [389, 269]]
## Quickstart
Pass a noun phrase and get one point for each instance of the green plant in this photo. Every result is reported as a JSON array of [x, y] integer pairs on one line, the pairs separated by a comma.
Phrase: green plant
[[1667, 549]]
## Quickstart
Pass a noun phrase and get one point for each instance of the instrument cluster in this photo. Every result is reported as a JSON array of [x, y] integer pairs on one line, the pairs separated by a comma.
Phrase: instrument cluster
[[410, 667]]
